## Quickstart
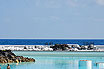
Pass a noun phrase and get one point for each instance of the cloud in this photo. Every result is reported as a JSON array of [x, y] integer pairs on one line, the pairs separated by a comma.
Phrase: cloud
[[37, 3], [56, 3], [100, 2], [72, 3], [7, 20], [96, 19], [52, 4], [48, 3], [99, 19], [46, 18], [55, 17]]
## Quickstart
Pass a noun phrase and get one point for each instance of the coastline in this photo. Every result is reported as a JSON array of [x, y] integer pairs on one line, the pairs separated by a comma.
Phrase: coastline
[[55, 51], [7, 56]]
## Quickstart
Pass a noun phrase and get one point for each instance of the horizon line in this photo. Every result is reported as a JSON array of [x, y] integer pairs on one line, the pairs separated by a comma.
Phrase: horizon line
[[51, 38]]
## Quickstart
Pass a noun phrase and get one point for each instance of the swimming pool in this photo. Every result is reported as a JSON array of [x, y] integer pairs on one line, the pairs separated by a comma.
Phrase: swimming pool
[[59, 60]]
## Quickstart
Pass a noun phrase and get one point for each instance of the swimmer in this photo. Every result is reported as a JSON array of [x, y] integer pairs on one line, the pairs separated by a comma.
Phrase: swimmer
[[8, 67]]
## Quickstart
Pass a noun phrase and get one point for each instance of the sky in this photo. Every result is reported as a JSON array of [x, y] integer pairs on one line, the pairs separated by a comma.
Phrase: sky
[[51, 18]]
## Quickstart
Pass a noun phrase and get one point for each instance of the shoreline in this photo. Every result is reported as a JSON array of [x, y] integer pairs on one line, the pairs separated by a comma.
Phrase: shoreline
[[55, 51], [56, 47], [7, 56]]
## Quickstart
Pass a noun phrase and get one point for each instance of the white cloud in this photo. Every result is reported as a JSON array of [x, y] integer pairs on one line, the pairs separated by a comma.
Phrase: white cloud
[[72, 3], [99, 19], [96, 19], [55, 17], [7, 20], [100, 2], [48, 3], [52, 4], [37, 3], [56, 3]]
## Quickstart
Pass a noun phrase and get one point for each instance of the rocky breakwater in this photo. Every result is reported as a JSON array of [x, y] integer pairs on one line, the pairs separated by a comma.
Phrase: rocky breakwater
[[7, 56]]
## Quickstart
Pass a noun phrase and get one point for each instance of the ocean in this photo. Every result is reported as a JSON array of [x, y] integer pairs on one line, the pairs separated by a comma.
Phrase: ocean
[[50, 41]]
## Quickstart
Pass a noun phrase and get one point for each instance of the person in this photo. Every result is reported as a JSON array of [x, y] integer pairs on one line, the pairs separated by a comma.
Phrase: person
[[8, 67], [0, 67]]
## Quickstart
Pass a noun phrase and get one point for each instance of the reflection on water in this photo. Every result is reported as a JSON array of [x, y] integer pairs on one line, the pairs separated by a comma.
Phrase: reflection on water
[[54, 62], [16, 65], [85, 64], [100, 65]]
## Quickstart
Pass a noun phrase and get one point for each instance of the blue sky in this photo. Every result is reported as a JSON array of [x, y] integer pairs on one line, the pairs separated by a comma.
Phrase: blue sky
[[51, 18]]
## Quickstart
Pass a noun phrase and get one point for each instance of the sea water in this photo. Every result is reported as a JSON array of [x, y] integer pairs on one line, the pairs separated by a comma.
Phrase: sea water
[[59, 60], [51, 41]]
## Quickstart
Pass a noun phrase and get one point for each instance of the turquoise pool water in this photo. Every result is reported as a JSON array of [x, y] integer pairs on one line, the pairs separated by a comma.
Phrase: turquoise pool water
[[59, 60]]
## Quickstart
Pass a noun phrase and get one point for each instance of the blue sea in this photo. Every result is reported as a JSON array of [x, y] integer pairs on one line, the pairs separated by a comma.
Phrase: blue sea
[[50, 41], [59, 60]]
